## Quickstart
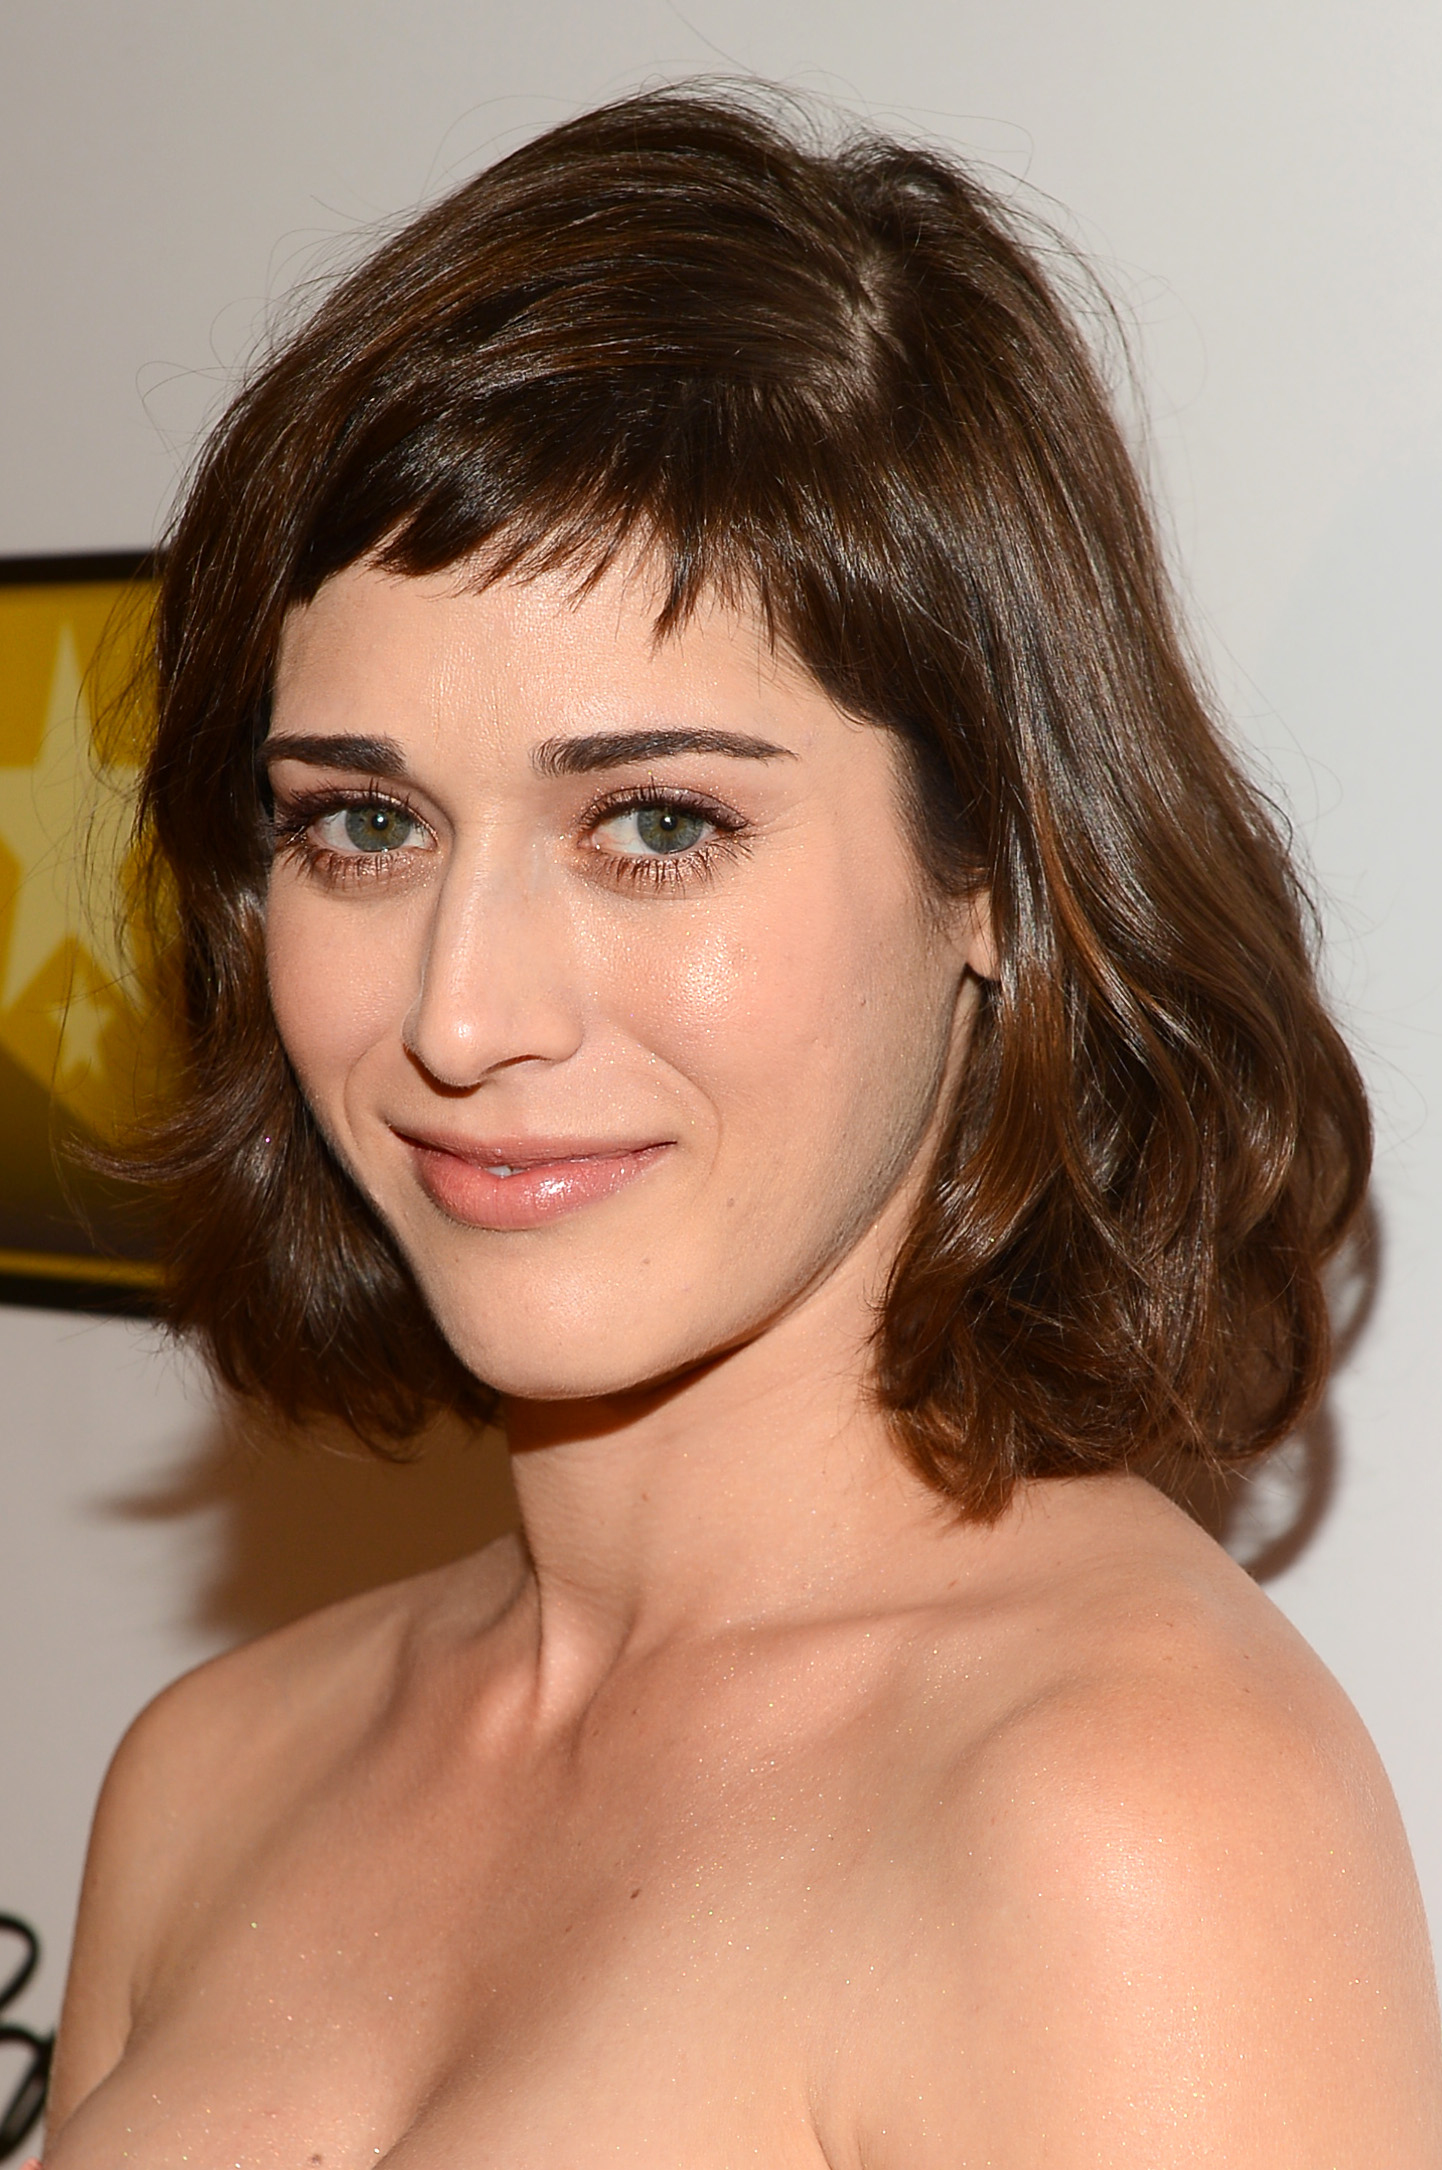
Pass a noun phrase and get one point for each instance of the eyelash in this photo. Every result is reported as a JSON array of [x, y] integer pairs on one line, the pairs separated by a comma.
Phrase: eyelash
[[291, 832], [660, 871]]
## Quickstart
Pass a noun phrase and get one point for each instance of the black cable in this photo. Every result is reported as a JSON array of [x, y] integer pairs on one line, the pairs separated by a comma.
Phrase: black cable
[[22, 2114]]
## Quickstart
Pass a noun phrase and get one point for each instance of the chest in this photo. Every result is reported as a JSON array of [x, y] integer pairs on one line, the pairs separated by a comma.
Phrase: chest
[[419, 1971]]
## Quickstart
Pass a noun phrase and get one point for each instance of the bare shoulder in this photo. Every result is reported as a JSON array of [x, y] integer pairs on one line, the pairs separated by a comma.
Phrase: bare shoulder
[[1173, 1858], [230, 1742], [212, 1763]]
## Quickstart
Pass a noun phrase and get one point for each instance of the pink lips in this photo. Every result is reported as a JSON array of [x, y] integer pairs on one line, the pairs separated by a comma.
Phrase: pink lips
[[548, 1178]]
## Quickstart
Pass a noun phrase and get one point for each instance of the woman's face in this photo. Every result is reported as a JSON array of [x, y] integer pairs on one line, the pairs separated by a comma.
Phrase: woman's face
[[604, 962]]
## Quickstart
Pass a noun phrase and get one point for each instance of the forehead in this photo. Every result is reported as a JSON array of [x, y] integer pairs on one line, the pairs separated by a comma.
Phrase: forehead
[[441, 649]]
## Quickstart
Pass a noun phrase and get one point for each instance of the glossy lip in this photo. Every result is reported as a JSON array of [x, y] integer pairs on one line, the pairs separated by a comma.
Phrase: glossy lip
[[551, 1177]]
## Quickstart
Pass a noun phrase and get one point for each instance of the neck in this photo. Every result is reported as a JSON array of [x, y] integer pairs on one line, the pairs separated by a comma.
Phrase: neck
[[760, 1488]]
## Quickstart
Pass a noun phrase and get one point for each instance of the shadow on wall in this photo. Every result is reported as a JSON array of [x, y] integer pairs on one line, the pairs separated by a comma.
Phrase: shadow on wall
[[306, 1518], [1268, 1515], [309, 1517], [1353, 666]]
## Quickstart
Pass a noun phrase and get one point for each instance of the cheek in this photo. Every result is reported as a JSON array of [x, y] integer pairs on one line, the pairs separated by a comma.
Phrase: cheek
[[338, 984], [813, 1022]]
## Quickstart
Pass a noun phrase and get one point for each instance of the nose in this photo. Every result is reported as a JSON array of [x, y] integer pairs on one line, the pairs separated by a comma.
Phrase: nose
[[497, 982]]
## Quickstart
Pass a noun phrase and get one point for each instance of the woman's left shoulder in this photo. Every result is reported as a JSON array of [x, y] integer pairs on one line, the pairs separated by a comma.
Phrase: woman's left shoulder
[[1172, 1858], [1158, 1705]]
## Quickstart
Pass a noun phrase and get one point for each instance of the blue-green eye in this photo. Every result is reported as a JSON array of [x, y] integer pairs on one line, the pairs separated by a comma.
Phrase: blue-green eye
[[669, 828], [648, 832], [377, 828]]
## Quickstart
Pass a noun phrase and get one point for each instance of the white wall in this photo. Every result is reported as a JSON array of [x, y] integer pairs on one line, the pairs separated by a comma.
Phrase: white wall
[[1262, 182]]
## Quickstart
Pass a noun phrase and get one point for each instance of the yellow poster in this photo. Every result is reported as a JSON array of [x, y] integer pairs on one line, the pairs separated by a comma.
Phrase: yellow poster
[[79, 1050]]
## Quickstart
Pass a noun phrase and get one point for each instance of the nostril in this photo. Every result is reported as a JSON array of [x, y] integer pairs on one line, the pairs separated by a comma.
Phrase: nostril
[[455, 1057]]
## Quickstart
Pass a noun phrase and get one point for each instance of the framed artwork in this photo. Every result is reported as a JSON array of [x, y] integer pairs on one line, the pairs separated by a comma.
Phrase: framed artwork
[[79, 1046]]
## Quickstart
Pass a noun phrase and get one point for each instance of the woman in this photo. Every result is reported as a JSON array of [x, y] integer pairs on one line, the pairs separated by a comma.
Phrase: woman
[[711, 914]]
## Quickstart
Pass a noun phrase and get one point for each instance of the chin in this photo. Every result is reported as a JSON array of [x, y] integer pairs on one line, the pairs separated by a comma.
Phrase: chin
[[527, 1351], [601, 1374]]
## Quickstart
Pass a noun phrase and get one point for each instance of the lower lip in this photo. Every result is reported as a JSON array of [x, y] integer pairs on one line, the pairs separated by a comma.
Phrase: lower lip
[[531, 1197]]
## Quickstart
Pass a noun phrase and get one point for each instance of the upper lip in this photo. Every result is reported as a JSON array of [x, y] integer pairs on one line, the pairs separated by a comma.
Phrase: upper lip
[[516, 1151]]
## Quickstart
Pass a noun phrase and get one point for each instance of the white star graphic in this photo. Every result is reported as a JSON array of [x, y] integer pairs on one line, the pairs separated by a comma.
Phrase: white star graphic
[[49, 815]]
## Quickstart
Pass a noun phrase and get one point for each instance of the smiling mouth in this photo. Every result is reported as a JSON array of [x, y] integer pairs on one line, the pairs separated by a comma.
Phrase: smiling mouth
[[524, 1183]]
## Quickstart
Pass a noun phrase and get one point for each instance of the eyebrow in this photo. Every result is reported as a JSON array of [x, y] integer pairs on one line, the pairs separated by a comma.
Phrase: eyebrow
[[377, 756], [553, 757], [609, 749]]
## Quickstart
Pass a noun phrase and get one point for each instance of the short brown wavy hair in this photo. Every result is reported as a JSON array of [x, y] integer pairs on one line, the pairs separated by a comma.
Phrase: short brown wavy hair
[[833, 380]]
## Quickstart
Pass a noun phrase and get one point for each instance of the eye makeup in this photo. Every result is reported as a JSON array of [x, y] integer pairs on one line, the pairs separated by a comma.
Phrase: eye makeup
[[677, 838]]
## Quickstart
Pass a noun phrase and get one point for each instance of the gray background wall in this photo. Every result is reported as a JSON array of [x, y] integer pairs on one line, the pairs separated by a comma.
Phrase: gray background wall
[[1261, 184]]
